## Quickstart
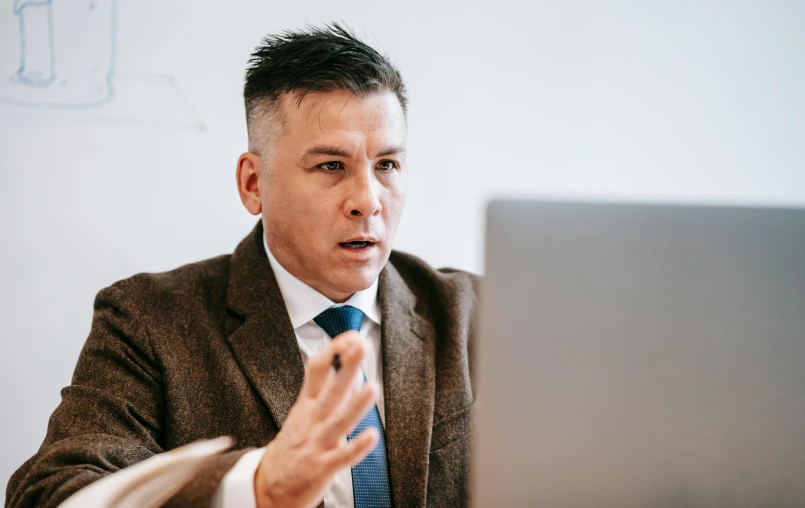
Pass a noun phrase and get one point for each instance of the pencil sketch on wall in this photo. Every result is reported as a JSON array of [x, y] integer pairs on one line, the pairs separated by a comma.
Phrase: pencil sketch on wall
[[65, 69]]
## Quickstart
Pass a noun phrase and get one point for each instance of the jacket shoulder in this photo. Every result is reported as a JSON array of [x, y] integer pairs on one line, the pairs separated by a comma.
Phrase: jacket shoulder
[[196, 285], [441, 288]]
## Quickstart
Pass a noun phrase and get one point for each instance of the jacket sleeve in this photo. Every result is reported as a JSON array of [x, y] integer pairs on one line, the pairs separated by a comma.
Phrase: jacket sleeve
[[110, 417]]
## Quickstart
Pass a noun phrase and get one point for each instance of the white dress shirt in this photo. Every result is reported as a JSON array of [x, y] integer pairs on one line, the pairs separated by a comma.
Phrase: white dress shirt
[[305, 303]]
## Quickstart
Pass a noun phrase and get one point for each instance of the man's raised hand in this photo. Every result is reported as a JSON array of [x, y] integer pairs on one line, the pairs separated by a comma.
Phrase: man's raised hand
[[300, 462]]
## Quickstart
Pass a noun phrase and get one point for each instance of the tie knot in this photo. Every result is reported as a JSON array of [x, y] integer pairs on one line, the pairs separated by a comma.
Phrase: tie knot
[[337, 320]]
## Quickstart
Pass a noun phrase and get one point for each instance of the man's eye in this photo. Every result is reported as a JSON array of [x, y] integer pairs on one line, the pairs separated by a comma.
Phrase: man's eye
[[330, 166], [386, 165]]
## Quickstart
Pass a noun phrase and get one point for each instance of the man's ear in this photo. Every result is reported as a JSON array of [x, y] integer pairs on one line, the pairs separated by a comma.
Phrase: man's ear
[[250, 169]]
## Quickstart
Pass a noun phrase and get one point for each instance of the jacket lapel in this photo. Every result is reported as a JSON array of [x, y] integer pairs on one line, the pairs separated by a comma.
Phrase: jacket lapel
[[262, 338], [409, 381]]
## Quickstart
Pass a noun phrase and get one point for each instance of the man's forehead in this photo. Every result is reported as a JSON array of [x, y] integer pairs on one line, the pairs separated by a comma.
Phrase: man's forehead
[[342, 110]]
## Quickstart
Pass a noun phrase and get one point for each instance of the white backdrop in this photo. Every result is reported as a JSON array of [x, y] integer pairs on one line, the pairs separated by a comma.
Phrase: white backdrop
[[676, 101]]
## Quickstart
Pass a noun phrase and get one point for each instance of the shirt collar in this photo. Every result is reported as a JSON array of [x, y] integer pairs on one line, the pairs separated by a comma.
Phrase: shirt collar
[[305, 303]]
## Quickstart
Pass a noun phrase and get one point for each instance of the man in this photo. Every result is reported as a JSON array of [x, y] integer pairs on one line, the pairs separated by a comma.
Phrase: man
[[253, 345]]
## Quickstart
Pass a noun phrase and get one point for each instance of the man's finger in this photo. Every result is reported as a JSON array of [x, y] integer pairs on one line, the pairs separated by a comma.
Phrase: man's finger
[[347, 416], [318, 367], [336, 388], [354, 450]]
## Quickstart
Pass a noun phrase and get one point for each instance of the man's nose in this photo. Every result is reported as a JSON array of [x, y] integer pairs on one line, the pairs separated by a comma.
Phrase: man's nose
[[363, 200]]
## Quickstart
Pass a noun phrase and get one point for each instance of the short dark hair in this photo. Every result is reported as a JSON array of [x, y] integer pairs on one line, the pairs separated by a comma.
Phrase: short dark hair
[[326, 59]]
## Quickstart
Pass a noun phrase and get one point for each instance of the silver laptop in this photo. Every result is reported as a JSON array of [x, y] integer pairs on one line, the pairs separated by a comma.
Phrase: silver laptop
[[641, 356]]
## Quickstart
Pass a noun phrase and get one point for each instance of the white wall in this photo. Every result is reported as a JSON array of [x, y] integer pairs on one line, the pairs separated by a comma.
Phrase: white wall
[[692, 100]]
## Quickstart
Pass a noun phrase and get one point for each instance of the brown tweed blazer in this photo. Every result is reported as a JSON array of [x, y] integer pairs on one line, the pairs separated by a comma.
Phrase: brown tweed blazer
[[208, 350]]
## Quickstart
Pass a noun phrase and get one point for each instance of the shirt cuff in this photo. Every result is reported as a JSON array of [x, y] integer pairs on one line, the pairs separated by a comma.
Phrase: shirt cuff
[[237, 488]]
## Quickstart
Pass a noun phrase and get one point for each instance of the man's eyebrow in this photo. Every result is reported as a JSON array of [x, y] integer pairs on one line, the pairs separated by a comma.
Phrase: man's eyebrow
[[394, 150], [334, 151], [326, 150]]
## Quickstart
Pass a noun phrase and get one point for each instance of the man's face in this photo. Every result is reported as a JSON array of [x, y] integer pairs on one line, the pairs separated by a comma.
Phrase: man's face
[[335, 174]]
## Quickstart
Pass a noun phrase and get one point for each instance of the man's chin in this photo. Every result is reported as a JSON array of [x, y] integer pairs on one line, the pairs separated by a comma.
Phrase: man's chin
[[354, 280]]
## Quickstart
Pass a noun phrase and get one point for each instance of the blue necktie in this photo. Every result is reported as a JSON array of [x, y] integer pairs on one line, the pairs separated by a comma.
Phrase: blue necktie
[[370, 478]]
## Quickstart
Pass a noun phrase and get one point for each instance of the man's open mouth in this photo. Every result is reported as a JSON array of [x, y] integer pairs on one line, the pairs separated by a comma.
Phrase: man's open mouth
[[356, 245]]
